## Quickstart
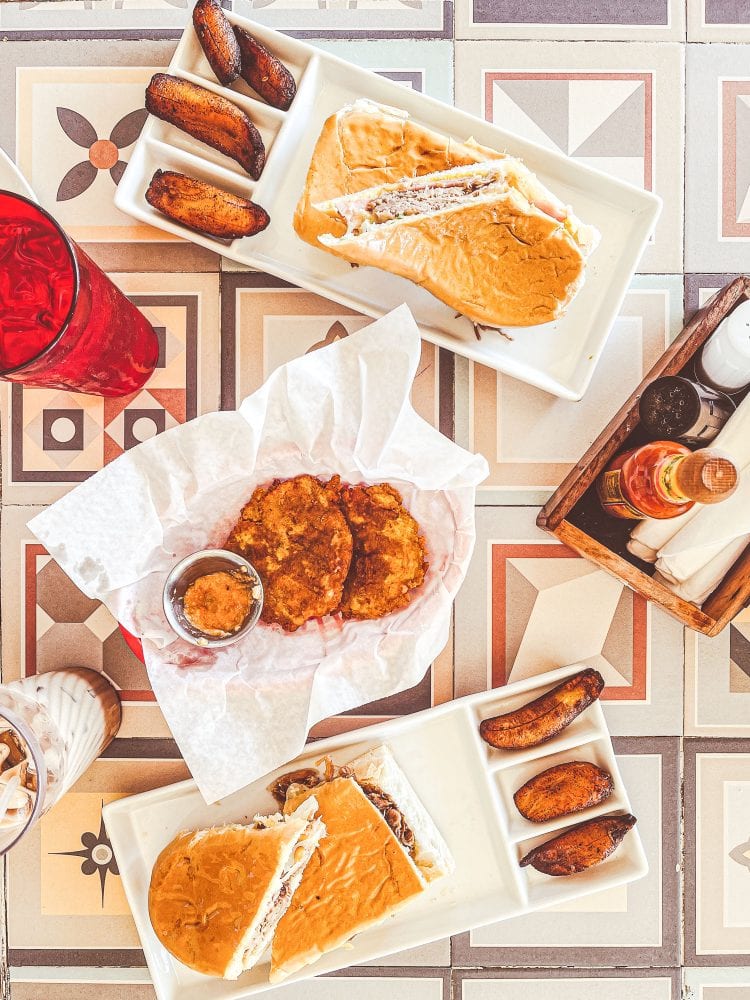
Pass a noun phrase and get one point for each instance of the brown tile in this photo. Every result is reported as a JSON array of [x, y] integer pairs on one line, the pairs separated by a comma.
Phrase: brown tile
[[183, 308]]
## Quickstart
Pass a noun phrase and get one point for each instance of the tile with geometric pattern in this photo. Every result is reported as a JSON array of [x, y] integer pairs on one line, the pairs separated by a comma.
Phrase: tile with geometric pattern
[[716, 984], [529, 604], [50, 19], [422, 65], [624, 120], [428, 19], [567, 984], [360, 982], [631, 926], [66, 906], [73, 147], [700, 287], [266, 322], [54, 439], [530, 439], [717, 192], [48, 624], [717, 681], [43, 19], [650, 20], [717, 852], [718, 21]]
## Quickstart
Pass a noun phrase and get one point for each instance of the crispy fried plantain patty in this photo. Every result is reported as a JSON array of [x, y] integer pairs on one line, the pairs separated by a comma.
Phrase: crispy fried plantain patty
[[389, 553], [296, 536]]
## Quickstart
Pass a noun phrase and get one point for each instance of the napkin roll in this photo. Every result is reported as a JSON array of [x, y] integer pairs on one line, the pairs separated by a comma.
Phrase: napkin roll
[[703, 583], [710, 533]]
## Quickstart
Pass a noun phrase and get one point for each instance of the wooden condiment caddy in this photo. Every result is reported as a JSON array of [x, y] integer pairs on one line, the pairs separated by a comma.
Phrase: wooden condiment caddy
[[573, 513]]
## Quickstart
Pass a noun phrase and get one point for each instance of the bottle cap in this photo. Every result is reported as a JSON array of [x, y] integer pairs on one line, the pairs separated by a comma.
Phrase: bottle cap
[[706, 476]]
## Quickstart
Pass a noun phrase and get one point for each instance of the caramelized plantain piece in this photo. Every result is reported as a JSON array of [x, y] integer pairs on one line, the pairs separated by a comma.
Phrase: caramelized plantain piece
[[545, 717], [266, 74], [203, 207], [217, 39], [306, 776], [581, 847], [562, 790], [208, 117]]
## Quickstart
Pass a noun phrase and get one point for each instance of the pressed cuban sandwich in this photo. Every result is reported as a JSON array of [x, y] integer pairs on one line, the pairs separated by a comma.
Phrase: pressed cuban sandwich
[[488, 239]]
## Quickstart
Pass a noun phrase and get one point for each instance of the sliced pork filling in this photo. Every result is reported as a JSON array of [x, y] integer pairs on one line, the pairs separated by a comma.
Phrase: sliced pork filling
[[420, 199], [291, 877]]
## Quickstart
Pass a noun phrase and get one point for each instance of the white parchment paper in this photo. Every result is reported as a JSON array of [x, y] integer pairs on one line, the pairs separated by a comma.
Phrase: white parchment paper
[[238, 712]]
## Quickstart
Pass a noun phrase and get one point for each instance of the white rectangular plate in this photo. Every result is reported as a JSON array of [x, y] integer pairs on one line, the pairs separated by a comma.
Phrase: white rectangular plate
[[466, 786], [558, 357]]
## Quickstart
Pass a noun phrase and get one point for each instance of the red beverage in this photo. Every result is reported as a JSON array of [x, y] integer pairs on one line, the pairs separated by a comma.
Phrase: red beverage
[[63, 324]]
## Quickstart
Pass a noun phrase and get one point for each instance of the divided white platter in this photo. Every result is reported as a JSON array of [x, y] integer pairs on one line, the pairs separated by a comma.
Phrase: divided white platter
[[558, 357], [467, 788]]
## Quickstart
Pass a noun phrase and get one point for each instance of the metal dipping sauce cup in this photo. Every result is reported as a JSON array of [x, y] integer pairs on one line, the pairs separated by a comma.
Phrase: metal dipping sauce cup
[[201, 564]]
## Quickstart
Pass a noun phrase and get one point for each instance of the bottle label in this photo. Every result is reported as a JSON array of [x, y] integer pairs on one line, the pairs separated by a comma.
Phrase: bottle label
[[612, 497], [667, 483]]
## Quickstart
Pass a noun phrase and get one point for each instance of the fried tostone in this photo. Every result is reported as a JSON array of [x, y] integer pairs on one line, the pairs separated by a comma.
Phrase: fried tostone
[[297, 537], [389, 553]]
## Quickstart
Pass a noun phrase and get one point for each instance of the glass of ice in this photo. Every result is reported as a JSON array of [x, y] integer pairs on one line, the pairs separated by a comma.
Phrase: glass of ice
[[52, 727]]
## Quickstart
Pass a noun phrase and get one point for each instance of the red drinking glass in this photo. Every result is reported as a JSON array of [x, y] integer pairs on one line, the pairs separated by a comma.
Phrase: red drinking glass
[[63, 324]]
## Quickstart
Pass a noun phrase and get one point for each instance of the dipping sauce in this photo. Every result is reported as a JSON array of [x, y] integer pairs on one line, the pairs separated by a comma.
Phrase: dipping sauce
[[217, 604]]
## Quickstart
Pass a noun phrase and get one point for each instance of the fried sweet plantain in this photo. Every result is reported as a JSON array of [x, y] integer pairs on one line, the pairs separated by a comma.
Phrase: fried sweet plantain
[[217, 39], [562, 790], [545, 717], [203, 207], [266, 74], [296, 536], [389, 553], [208, 117], [581, 847]]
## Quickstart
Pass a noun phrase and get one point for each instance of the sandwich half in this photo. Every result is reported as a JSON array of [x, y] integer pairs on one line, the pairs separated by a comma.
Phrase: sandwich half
[[217, 895], [365, 144], [380, 852], [489, 240]]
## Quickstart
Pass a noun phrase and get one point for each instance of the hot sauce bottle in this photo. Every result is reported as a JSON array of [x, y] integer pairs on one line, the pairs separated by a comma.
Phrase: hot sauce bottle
[[664, 479]]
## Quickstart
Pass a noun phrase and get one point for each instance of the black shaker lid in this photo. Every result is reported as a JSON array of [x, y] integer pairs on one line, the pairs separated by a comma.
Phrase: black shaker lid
[[669, 406]]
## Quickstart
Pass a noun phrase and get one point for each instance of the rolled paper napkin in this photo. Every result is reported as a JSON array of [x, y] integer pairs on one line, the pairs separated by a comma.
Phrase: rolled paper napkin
[[712, 529], [651, 534], [707, 579]]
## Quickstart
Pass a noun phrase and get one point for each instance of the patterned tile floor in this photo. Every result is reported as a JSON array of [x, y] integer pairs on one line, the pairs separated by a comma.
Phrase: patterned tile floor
[[629, 87]]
